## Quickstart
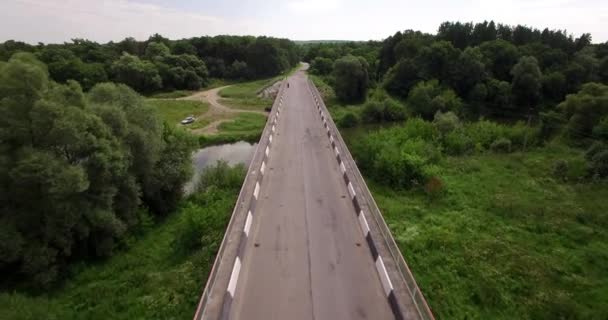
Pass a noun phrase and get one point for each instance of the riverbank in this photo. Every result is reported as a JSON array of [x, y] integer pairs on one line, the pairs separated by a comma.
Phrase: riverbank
[[158, 272]]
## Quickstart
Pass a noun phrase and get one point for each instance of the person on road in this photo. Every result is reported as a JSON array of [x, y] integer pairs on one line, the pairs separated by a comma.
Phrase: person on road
[[287, 85]]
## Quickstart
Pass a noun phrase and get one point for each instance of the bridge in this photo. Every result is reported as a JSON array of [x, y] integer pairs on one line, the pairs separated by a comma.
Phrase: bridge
[[306, 239]]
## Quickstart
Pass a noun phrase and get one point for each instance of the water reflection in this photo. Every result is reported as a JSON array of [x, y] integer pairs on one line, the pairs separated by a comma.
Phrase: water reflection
[[234, 153]]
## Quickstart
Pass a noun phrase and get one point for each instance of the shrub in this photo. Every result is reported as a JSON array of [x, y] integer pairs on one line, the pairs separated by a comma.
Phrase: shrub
[[560, 169], [446, 122], [222, 176], [349, 120], [485, 132], [457, 143], [382, 110], [373, 112], [594, 149], [501, 145], [599, 164]]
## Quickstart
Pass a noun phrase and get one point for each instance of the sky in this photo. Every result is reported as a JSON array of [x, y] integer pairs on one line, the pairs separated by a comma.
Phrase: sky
[[56, 21]]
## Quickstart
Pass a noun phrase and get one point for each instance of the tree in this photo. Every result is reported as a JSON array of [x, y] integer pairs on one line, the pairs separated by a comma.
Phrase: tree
[[469, 71], [554, 86], [79, 169], [586, 110], [156, 50], [402, 77], [351, 79], [499, 57], [139, 74], [526, 82], [238, 70], [499, 97], [321, 66], [428, 97], [265, 58]]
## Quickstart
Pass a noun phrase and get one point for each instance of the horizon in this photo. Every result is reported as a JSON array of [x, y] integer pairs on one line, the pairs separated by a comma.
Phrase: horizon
[[297, 20]]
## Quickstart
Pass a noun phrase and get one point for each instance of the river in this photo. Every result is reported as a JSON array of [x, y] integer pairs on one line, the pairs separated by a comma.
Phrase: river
[[233, 154]]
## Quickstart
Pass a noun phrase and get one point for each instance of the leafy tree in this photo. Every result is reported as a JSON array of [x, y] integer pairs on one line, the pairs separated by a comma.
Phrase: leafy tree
[[526, 83], [156, 50], [428, 97], [499, 97], [79, 169], [603, 70], [265, 58], [238, 70], [439, 61], [321, 66], [554, 86], [351, 79], [500, 56], [139, 74], [469, 71], [586, 110], [402, 77]]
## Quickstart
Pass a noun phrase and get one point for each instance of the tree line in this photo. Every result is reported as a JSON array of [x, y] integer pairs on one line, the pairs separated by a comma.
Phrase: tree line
[[482, 69], [537, 84], [159, 63]]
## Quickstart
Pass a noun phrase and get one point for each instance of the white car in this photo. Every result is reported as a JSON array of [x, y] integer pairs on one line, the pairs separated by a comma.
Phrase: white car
[[188, 120]]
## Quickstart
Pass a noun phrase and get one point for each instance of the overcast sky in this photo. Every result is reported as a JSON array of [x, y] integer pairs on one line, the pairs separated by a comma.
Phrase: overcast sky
[[104, 20]]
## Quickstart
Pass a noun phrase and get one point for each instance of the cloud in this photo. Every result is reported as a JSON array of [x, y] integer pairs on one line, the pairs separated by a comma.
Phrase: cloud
[[62, 20]]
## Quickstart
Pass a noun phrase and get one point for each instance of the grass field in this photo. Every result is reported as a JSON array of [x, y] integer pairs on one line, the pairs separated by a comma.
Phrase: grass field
[[171, 94], [245, 127], [159, 275], [245, 95], [505, 239], [174, 111]]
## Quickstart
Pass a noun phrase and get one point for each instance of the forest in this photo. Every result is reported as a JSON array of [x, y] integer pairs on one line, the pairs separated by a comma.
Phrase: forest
[[486, 148], [160, 64], [85, 160]]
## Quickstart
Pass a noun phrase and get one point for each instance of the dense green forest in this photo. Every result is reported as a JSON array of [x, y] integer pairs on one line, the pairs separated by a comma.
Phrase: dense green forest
[[486, 148], [160, 64]]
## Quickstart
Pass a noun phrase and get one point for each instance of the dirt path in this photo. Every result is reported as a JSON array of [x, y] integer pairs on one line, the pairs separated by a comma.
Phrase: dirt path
[[212, 96], [217, 111]]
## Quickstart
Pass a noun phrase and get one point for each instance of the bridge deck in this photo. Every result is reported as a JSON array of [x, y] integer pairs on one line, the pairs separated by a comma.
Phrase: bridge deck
[[307, 258]]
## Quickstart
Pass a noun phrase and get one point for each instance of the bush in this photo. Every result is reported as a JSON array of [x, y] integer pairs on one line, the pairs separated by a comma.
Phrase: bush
[[485, 132], [383, 110], [594, 149], [446, 122], [457, 143], [501, 145], [599, 164], [520, 134], [222, 176], [348, 120], [560, 168]]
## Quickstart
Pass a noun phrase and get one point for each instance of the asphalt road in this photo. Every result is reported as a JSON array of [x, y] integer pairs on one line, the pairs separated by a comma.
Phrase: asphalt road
[[307, 258]]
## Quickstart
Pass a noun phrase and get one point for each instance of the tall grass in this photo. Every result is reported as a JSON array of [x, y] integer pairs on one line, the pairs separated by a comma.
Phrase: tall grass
[[159, 275]]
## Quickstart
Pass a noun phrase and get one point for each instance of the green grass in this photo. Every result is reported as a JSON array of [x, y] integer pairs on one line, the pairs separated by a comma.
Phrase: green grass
[[245, 95], [505, 240], [171, 94], [159, 276], [243, 123], [174, 111], [245, 127]]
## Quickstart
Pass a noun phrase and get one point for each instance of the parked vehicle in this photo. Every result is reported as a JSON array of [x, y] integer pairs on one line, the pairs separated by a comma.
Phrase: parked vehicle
[[188, 120]]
